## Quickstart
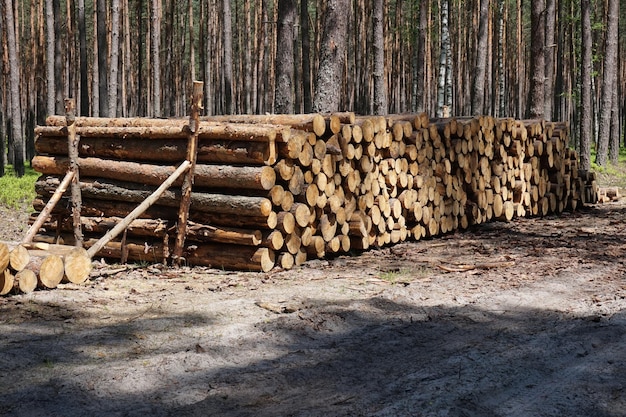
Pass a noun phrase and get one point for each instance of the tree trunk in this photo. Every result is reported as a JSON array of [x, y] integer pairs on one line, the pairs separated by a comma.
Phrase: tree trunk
[[420, 64], [608, 82], [478, 84], [155, 45], [306, 56], [585, 82], [380, 83], [228, 58], [103, 51], [443, 109], [114, 68], [14, 79], [84, 76], [58, 58], [550, 49], [536, 103], [332, 56], [50, 42], [284, 97]]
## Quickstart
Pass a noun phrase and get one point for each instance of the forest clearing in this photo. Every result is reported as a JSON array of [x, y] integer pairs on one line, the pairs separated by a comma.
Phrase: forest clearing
[[532, 323], [313, 208]]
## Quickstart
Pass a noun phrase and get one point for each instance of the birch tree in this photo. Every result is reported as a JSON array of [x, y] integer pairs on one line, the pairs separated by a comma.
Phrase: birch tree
[[444, 99]]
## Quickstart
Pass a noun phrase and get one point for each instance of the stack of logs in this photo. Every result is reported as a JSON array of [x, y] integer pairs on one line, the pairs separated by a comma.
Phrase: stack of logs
[[25, 267], [281, 189]]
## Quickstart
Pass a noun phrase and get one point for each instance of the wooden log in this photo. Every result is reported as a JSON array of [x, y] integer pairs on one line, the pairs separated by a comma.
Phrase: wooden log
[[50, 271], [209, 176], [306, 122], [7, 281], [232, 257], [149, 200], [214, 131], [45, 212], [26, 281], [99, 208], [164, 150], [4, 256], [77, 266], [136, 193], [19, 258]]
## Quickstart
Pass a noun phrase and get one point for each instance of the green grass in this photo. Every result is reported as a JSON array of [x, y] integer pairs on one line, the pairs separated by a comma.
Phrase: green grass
[[17, 192], [611, 174]]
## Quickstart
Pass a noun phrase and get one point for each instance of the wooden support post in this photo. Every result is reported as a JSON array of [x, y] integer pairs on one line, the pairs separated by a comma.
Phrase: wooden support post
[[121, 226], [72, 150], [43, 215], [192, 152]]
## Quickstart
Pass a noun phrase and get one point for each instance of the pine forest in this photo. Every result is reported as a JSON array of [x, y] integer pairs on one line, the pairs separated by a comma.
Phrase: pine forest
[[553, 59]]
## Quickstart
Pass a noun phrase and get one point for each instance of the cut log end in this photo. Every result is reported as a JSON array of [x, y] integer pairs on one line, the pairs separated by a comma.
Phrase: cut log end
[[77, 266]]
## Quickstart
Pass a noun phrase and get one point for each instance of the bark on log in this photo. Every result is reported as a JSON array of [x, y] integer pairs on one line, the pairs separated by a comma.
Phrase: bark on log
[[136, 193], [209, 176], [163, 150]]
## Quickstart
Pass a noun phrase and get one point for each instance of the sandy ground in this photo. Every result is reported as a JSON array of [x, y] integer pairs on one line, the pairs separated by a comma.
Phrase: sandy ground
[[526, 318]]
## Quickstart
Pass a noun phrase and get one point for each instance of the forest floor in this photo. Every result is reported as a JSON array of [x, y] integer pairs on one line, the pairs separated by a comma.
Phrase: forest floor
[[526, 318]]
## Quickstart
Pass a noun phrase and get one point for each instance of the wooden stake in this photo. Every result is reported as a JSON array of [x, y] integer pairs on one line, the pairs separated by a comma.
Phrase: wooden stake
[[72, 146], [45, 213], [119, 228], [192, 155]]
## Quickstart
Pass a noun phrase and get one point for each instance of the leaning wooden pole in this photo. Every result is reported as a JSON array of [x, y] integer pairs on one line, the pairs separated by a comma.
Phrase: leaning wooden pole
[[45, 213], [72, 146], [192, 153], [121, 226]]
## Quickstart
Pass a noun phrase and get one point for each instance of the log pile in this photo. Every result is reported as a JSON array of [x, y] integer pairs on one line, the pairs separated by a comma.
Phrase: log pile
[[277, 190], [25, 267]]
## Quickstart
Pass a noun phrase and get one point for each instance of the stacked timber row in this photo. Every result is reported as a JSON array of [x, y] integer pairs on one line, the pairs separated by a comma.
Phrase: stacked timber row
[[25, 267], [281, 189]]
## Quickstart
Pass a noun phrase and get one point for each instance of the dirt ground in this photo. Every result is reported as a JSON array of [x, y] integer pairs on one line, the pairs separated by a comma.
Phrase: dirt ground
[[526, 318]]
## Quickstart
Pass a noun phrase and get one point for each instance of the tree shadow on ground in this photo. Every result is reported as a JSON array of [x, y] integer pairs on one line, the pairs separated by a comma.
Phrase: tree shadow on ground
[[363, 357]]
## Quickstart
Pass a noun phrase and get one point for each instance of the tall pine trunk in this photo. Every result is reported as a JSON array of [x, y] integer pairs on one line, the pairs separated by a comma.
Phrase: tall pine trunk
[[332, 57], [155, 52], [585, 82], [14, 80], [103, 83], [478, 84], [50, 42], [550, 48], [380, 84], [84, 76], [114, 68], [608, 82], [306, 56], [284, 94], [536, 103], [228, 59]]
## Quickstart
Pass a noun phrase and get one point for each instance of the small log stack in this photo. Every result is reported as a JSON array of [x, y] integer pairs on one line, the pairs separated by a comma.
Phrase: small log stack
[[25, 267], [277, 190]]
